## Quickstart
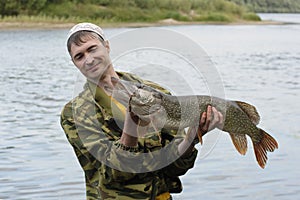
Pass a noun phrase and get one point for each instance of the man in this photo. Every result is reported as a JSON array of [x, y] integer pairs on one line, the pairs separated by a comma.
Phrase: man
[[99, 143]]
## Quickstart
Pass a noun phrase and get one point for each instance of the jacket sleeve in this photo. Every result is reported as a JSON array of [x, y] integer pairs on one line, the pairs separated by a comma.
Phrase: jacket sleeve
[[181, 165], [95, 149]]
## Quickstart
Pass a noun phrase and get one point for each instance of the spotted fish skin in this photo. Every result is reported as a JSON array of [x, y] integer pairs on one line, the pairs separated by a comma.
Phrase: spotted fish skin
[[240, 118]]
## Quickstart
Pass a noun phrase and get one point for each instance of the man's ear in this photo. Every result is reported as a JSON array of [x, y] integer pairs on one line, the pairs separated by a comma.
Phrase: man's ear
[[107, 46]]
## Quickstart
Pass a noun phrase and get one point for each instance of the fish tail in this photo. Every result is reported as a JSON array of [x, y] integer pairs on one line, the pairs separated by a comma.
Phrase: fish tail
[[267, 143]]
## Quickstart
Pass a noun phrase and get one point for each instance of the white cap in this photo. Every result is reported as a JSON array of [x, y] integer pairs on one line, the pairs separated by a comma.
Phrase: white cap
[[86, 27]]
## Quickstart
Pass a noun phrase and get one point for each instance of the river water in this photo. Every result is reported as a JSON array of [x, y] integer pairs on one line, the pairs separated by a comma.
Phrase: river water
[[257, 63]]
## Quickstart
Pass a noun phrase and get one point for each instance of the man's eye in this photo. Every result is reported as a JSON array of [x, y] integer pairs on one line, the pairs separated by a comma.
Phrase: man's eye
[[92, 49], [78, 57]]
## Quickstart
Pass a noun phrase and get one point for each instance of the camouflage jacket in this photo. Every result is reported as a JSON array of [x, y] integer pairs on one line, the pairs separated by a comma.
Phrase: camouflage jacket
[[94, 134]]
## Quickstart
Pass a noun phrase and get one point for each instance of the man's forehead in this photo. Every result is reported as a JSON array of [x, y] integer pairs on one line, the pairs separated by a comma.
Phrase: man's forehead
[[85, 43]]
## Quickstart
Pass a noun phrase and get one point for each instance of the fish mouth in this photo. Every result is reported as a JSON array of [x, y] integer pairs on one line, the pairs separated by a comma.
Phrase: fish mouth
[[124, 87], [122, 91]]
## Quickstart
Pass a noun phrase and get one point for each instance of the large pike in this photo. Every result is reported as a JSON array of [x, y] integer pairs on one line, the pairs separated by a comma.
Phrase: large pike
[[240, 118]]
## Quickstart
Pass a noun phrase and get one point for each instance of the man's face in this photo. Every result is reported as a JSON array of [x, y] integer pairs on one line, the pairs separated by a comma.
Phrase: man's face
[[91, 58]]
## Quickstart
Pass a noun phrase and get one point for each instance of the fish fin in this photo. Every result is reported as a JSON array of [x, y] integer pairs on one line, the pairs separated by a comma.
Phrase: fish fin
[[240, 142], [267, 143], [250, 111]]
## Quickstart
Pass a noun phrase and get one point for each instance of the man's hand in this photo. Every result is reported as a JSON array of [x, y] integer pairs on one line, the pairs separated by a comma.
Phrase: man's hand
[[133, 128], [210, 119]]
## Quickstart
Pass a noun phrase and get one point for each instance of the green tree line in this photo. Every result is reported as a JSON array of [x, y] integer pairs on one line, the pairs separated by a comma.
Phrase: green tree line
[[270, 6], [129, 10]]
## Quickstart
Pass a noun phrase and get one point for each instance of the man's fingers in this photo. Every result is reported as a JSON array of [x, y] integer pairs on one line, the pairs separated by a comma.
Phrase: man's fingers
[[217, 120], [209, 113], [208, 119], [203, 119], [215, 114], [134, 117]]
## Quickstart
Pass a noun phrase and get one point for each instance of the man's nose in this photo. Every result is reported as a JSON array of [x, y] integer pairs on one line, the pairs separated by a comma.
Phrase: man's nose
[[89, 60]]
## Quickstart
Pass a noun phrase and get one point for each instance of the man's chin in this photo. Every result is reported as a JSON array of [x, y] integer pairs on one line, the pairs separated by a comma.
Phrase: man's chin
[[97, 75], [93, 77]]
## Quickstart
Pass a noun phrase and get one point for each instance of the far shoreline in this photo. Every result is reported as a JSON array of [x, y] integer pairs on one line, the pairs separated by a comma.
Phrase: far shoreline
[[167, 22]]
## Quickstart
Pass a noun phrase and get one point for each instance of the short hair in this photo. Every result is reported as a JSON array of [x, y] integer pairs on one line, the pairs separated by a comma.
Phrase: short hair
[[81, 37]]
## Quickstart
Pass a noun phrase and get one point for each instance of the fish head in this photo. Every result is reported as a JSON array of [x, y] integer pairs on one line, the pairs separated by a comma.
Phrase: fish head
[[145, 103]]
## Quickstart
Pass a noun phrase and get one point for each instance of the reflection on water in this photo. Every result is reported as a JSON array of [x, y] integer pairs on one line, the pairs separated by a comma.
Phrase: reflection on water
[[287, 17], [258, 64]]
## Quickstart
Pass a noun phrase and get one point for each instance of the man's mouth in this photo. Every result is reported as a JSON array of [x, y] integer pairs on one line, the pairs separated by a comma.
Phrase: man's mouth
[[93, 68]]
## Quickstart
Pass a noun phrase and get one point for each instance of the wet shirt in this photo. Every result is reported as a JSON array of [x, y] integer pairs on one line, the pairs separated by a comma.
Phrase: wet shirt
[[93, 129]]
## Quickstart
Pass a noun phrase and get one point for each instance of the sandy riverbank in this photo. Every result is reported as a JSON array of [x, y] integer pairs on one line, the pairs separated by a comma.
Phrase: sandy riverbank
[[166, 22]]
